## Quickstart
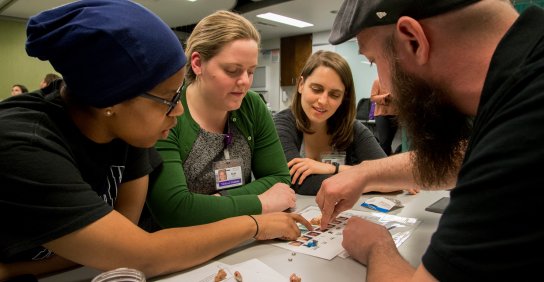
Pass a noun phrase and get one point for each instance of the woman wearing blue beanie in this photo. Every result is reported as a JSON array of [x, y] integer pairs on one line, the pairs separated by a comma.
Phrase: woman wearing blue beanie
[[75, 164]]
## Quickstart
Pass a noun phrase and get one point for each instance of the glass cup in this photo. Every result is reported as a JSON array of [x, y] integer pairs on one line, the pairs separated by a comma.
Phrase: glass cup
[[120, 275]]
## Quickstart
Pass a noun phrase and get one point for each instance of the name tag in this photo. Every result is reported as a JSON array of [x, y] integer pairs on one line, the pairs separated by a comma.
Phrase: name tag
[[335, 157], [228, 174]]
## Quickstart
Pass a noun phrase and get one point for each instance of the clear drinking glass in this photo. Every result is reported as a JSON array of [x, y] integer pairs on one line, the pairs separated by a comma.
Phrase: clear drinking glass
[[120, 275]]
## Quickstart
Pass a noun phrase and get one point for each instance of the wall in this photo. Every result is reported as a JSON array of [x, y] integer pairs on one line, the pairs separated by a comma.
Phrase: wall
[[270, 56], [17, 67], [279, 97], [363, 73], [521, 5]]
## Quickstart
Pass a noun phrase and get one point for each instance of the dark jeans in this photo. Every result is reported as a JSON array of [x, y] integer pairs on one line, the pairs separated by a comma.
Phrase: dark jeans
[[386, 128]]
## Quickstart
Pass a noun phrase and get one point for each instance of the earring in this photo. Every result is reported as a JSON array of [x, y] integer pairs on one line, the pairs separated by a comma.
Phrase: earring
[[109, 113]]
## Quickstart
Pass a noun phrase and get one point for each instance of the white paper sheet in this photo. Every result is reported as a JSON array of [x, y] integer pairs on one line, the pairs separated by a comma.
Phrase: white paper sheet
[[251, 270]]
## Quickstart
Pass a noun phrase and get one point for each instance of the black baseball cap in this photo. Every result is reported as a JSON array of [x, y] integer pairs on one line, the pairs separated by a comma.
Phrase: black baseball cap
[[356, 15]]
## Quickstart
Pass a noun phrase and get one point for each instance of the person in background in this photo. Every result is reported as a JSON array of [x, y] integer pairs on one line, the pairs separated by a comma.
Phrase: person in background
[[467, 78], [384, 114], [75, 163], [225, 126], [48, 84], [17, 89], [50, 77], [319, 134]]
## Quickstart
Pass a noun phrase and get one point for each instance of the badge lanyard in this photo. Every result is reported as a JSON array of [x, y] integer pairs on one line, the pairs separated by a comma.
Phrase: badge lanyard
[[228, 172], [227, 141]]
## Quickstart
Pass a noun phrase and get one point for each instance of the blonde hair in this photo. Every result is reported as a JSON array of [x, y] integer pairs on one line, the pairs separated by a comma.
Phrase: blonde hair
[[340, 124], [215, 31]]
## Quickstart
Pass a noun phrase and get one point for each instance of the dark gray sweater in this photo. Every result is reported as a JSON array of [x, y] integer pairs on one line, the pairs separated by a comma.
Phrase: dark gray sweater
[[364, 147]]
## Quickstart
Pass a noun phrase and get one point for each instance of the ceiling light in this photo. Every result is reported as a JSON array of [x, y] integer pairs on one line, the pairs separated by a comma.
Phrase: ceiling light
[[284, 20]]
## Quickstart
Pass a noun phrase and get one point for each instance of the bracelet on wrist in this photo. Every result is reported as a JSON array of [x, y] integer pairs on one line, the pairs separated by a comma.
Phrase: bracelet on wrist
[[256, 224], [336, 167]]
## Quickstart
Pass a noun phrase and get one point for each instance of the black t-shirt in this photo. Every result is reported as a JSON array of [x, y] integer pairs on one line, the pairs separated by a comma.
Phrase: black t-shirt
[[53, 179], [492, 230]]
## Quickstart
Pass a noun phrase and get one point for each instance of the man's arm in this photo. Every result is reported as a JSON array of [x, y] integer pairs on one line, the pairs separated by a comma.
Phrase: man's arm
[[342, 191], [372, 245]]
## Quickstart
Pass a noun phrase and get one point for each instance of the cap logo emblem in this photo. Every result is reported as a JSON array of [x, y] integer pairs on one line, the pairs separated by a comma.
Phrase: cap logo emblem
[[381, 14]]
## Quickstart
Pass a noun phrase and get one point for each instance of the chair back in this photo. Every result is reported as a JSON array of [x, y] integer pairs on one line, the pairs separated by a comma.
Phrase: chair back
[[363, 109]]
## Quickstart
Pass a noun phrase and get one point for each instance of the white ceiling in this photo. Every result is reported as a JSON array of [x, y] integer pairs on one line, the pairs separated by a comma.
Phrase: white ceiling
[[182, 12]]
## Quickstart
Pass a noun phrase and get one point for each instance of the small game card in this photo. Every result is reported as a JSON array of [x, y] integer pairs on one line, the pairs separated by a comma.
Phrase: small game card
[[327, 243]]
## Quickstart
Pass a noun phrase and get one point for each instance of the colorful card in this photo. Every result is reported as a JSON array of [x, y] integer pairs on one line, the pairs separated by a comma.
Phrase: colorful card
[[327, 243]]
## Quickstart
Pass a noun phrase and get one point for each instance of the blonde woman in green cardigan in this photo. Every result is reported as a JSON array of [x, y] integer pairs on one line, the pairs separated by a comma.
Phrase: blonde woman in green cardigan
[[225, 128]]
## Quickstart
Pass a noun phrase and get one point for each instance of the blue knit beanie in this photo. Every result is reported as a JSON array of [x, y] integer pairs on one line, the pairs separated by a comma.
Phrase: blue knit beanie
[[107, 51]]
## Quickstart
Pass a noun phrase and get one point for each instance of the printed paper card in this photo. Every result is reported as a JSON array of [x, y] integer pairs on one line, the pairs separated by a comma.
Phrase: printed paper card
[[327, 243]]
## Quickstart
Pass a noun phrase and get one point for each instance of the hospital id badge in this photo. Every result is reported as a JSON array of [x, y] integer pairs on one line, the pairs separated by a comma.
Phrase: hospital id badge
[[335, 157], [228, 174]]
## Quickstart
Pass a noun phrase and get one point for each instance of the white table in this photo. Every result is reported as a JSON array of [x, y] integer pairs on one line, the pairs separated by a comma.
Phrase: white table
[[312, 268]]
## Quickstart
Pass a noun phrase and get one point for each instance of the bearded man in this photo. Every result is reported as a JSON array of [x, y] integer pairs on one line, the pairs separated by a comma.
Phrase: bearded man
[[467, 77]]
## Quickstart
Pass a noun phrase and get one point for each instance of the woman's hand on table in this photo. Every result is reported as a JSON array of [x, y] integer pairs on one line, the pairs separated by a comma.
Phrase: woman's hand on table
[[279, 197], [280, 225]]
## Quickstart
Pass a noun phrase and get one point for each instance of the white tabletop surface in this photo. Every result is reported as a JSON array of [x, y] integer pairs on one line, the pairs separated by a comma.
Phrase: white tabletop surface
[[313, 268]]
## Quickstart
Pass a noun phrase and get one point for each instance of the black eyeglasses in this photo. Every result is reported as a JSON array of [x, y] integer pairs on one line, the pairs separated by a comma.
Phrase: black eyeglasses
[[171, 104]]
